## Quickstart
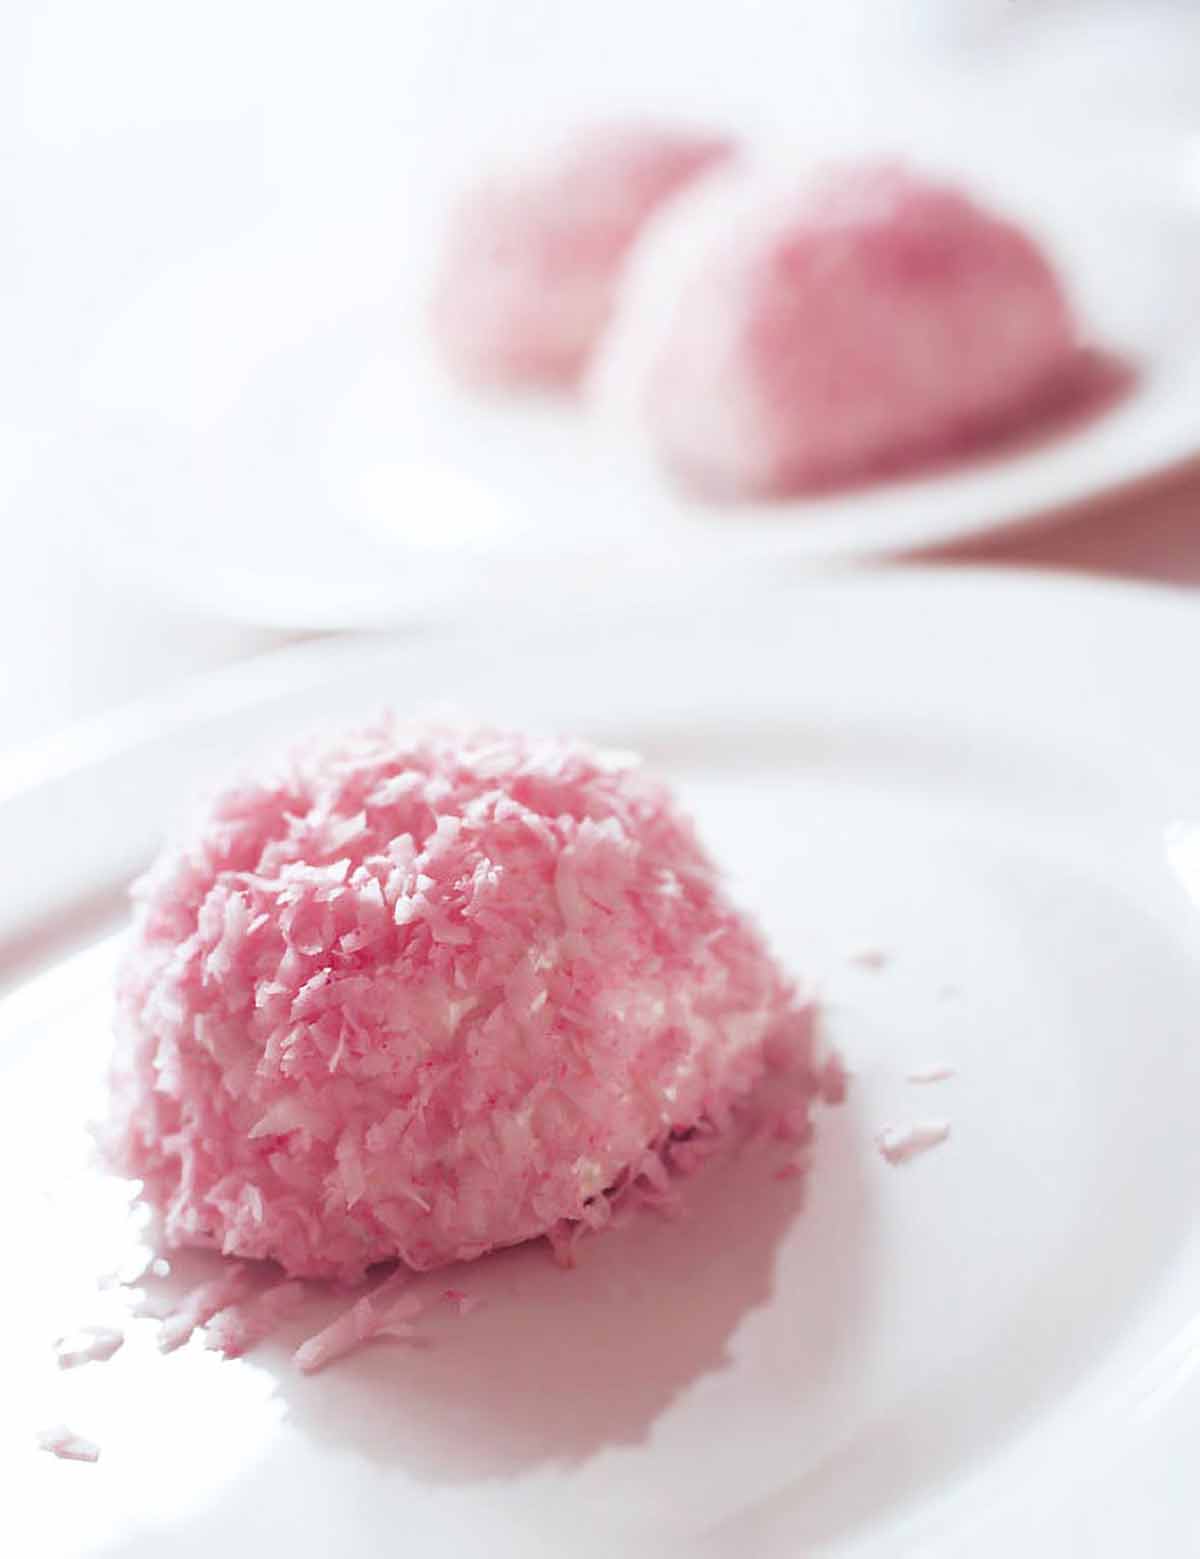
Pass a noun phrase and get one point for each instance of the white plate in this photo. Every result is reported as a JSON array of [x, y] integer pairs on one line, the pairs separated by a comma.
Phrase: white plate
[[264, 433], [346, 483], [991, 779]]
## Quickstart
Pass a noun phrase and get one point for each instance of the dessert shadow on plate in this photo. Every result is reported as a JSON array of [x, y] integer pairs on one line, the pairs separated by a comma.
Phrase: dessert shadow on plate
[[558, 1365]]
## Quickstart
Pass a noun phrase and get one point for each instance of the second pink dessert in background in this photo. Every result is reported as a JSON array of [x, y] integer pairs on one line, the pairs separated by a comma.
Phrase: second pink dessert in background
[[764, 337]]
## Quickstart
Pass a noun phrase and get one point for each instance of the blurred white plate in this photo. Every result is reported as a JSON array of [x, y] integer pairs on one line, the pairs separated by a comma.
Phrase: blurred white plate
[[270, 437], [991, 779]]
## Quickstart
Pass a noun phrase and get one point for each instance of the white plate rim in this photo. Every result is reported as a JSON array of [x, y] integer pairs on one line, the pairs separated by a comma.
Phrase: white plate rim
[[993, 497], [87, 741]]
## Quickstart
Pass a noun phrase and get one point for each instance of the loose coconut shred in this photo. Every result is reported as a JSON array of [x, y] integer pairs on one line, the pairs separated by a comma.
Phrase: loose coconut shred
[[939, 1072], [239, 1328], [67, 1445], [199, 1307], [898, 1144], [377, 1314], [90, 1345], [420, 993]]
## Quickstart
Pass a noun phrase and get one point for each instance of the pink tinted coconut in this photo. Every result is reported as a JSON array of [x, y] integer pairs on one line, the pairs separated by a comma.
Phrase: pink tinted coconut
[[419, 993], [533, 259], [865, 322]]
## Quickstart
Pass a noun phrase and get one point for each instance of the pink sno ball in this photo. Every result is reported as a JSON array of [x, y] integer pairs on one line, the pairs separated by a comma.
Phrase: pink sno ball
[[533, 260], [870, 321], [422, 992]]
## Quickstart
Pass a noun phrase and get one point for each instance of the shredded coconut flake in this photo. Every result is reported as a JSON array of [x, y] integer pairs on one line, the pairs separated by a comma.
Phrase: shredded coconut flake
[[238, 1328], [200, 1306], [90, 1345], [155, 1307], [67, 1445], [938, 1072], [898, 1144], [377, 1314]]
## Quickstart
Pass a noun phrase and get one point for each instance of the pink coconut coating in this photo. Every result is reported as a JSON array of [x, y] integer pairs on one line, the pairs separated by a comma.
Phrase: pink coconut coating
[[874, 320], [533, 261], [423, 992]]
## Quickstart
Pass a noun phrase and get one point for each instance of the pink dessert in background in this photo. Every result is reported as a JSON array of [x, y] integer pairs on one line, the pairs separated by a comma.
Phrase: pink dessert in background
[[422, 992], [533, 259], [872, 320]]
